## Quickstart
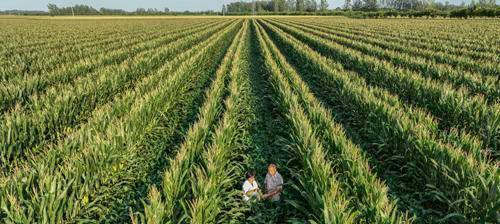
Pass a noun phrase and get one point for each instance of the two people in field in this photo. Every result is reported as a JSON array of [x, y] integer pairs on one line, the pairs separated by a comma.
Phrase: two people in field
[[273, 185]]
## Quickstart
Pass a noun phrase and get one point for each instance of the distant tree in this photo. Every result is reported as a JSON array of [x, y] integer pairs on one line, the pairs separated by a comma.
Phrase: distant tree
[[370, 4], [357, 4], [300, 5], [290, 5], [314, 6], [311, 5], [323, 5], [224, 10], [166, 10], [486, 2], [76, 9], [105, 11], [282, 5], [276, 7], [279, 5], [347, 4], [53, 9], [152, 11], [140, 11]]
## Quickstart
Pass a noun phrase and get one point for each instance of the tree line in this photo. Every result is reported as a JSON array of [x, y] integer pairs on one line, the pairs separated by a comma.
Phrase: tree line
[[54, 10], [361, 5], [351, 8], [276, 6], [365, 8]]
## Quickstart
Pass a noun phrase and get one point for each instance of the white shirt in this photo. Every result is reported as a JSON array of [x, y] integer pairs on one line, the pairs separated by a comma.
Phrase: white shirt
[[247, 186]]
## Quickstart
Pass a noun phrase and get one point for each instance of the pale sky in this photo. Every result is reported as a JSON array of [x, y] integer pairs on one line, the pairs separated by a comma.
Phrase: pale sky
[[131, 5]]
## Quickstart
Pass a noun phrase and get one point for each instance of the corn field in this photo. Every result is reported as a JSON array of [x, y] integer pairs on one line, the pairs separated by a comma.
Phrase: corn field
[[157, 120]]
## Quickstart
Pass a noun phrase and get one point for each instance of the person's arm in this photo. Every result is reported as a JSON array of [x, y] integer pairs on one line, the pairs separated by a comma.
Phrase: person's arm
[[276, 191], [279, 188], [250, 189], [249, 193], [247, 189]]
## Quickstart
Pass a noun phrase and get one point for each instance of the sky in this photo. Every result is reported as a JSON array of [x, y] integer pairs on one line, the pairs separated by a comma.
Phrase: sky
[[131, 5]]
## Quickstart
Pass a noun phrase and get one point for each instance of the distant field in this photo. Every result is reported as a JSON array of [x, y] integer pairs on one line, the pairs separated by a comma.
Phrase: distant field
[[156, 120]]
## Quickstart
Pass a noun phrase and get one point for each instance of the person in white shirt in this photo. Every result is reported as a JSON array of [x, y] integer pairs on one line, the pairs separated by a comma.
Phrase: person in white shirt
[[250, 187]]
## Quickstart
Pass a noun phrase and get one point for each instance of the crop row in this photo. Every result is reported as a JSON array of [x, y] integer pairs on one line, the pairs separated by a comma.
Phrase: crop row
[[404, 58], [473, 36], [453, 108], [21, 89], [425, 39], [46, 60], [32, 37], [472, 60], [176, 184], [52, 113], [107, 171], [425, 173], [328, 141]]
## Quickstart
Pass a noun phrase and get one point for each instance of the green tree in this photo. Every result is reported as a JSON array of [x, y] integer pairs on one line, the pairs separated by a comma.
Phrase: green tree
[[347, 4], [357, 4], [323, 5], [53, 9], [279, 5], [311, 5], [370, 4], [300, 5], [290, 5]]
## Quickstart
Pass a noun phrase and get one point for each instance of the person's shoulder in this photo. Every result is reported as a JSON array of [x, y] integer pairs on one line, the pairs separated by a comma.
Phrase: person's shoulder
[[278, 175], [246, 183]]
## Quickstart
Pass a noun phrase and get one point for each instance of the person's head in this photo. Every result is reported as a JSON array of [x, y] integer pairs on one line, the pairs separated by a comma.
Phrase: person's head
[[250, 175], [271, 169]]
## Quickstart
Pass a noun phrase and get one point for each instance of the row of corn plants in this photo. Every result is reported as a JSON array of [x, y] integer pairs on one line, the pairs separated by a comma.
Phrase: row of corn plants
[[34, 37], [19, 91], [163, 205], [173, 119], [56, 153], [475, 83], [68, 106], [321, 191], [435, 181], [40, 60], [460, 138], [98, 121], [449, 34], [367, 194], [47, 60], [457, 59], [216, 193], [270, 137], [88, 34], [18, 63], [101, 163], [457, 138], [453, 108]]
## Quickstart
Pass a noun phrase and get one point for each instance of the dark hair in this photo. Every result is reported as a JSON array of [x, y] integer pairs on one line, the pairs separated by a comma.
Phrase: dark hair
[[250, 173]]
